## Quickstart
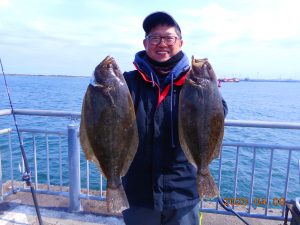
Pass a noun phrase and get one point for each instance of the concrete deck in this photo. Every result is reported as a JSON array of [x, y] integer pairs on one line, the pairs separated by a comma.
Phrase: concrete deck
[[19, 209]]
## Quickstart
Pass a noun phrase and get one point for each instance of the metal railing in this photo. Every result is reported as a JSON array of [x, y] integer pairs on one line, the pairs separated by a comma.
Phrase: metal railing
[[72, 173], [248, 203]]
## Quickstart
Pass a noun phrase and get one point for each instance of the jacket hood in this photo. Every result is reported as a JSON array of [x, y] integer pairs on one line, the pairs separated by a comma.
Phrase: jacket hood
[[180, 67]]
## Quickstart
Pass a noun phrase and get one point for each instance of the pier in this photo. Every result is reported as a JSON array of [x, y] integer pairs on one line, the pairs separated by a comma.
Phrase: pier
[[71, 190]]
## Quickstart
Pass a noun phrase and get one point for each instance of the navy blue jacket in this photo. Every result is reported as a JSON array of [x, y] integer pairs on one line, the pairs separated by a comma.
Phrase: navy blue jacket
[[160, 176]]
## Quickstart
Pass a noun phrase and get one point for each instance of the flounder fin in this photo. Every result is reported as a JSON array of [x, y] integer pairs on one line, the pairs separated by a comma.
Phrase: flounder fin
[[217, 151], [187, 153], [130, 154], [184, 145], [116, 199], [206, 186], [86, 146], [134, 139], [218, 147], [84, 140]]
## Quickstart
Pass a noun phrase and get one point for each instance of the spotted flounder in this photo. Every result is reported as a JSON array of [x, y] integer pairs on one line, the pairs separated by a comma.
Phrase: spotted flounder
[[108, 129], [201, 123]]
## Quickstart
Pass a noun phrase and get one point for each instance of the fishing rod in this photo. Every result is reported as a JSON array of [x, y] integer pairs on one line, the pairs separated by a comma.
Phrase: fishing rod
[[229, 209], [27, 174]]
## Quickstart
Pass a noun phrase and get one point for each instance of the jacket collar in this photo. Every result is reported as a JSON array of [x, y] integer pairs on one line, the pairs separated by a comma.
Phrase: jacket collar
[[142, 65]]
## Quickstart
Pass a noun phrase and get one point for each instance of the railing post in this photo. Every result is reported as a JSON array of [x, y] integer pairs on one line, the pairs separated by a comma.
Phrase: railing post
[[74, 167], [1, 187]]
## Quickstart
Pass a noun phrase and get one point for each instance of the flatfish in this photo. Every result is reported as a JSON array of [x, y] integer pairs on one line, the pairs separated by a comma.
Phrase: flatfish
[[108, 129], [201, 123]]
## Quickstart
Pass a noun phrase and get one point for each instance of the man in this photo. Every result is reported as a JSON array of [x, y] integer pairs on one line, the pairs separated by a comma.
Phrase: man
[[160, 184]]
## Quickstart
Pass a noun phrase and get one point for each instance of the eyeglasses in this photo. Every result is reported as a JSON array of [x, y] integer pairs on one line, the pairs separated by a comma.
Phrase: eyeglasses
[[156, 40]]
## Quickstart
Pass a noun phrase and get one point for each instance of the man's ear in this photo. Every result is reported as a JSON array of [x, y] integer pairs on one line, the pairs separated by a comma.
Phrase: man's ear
[[181, 43]]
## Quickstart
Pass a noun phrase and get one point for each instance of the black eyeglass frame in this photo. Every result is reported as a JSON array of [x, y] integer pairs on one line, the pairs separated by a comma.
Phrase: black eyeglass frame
[[148, 37]]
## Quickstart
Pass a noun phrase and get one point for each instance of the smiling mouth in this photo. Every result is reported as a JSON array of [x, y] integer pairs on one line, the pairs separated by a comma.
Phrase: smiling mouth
[[162, 52]]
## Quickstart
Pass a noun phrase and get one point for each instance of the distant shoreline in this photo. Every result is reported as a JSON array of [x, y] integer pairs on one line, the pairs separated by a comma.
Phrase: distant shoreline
[[267, 80], [240, 80], [47, 75]]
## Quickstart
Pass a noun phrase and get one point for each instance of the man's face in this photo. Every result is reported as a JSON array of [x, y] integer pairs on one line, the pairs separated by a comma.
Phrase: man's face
[[162, 52]]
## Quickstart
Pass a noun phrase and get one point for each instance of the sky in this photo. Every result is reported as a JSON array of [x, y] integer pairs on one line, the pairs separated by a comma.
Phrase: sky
[[241, 38]]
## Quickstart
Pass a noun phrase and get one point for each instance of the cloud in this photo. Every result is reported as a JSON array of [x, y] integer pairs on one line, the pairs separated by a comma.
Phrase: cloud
[[104, 6], [87, 32], [59, 34], [5, 3], [60, 41], [275, 22], [260, 33]]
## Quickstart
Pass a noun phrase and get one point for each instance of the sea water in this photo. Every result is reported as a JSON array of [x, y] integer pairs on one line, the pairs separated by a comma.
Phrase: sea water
[[258, 101]]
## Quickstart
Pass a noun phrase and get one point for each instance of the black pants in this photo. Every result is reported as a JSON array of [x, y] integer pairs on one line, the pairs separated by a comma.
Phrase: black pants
[[144, 216]]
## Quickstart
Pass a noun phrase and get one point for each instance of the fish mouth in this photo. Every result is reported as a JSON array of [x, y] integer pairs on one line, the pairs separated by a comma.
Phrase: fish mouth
[[200, 69], [198, 62], [110, 63], [107, 72]]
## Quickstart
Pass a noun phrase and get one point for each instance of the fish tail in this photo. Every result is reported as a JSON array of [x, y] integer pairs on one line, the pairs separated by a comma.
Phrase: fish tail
[[206, 185], [116, 199]]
